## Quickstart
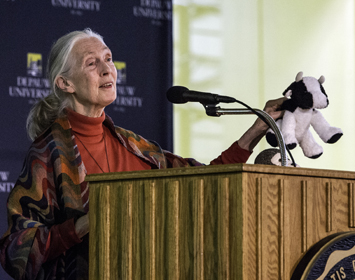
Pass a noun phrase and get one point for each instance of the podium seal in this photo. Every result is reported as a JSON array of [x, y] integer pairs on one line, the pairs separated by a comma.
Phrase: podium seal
[[332, 258]]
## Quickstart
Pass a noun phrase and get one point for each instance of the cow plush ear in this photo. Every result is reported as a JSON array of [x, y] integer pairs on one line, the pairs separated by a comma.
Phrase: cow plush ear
[[321, 79], [299, 76]]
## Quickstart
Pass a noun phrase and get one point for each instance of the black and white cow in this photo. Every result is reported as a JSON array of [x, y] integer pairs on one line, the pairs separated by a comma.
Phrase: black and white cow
[[306, 95]]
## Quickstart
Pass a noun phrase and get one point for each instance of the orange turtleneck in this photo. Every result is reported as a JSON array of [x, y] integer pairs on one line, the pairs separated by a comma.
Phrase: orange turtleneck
[[100, 150]]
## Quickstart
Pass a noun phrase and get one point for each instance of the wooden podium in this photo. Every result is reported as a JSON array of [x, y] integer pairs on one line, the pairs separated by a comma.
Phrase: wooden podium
[[235, 221]]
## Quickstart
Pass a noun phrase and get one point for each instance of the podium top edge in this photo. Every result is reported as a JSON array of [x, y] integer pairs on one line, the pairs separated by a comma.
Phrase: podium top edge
[[222, 169]]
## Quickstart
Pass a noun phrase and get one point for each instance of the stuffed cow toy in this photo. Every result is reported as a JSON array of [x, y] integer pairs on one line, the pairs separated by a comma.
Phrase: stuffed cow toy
[[306, 95]]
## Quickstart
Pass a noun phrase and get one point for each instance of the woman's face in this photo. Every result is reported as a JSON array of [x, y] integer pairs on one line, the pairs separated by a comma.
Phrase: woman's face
[[93, 77]]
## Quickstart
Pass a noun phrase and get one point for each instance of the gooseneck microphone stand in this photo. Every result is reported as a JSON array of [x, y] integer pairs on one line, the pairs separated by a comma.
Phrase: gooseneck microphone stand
[[212, 110]]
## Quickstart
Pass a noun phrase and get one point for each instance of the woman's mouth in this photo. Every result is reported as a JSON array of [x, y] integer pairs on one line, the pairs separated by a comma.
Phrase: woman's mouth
[[107, 85]]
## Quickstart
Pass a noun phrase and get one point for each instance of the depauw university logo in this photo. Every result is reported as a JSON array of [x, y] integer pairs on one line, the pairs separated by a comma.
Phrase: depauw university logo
[[34, 64], [121, 72]]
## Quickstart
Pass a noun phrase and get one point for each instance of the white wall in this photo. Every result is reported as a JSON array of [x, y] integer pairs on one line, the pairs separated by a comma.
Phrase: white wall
[[252, 50]]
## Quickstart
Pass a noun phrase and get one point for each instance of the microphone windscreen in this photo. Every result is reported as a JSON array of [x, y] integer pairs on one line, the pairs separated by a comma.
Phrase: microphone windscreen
[[175, 94]]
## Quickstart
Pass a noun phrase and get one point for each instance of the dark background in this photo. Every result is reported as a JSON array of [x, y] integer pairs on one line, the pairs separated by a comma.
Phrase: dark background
[[138, 32]]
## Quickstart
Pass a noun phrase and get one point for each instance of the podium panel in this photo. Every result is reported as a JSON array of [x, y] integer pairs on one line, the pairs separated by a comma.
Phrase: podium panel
[[234, 221]]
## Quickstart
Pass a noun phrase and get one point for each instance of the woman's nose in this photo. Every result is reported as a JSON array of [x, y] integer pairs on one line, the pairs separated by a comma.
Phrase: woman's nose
[[105, 68]]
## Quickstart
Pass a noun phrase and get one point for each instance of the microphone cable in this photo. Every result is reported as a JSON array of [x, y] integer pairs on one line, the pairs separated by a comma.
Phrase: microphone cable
[[264, 120]]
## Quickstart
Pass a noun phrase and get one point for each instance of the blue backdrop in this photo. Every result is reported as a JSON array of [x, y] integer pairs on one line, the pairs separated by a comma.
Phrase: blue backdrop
[[139, 34]]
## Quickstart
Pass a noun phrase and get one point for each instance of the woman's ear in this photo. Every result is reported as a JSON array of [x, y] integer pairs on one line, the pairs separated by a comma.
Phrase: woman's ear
[[65, 85]]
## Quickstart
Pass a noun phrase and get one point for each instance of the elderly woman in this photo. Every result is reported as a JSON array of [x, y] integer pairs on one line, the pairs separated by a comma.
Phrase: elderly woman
[[47, 237]]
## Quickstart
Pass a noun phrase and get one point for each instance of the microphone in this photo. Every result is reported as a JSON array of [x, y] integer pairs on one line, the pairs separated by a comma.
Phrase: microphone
[[179, 95]]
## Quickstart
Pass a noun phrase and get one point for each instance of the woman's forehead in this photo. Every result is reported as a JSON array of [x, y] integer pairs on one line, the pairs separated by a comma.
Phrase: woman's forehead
[[88, 46]]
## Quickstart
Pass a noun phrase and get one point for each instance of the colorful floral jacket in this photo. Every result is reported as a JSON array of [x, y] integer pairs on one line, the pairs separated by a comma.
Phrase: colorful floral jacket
[[50, 195]]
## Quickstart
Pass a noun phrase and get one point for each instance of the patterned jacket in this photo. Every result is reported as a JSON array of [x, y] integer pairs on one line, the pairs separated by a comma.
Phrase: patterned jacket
[[51, 194]]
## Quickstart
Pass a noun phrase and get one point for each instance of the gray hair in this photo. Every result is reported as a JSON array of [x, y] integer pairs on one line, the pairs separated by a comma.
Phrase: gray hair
[[46, 110]]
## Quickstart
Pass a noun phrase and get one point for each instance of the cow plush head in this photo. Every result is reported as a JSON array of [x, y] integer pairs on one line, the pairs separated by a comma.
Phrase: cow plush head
[[305, 93]]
